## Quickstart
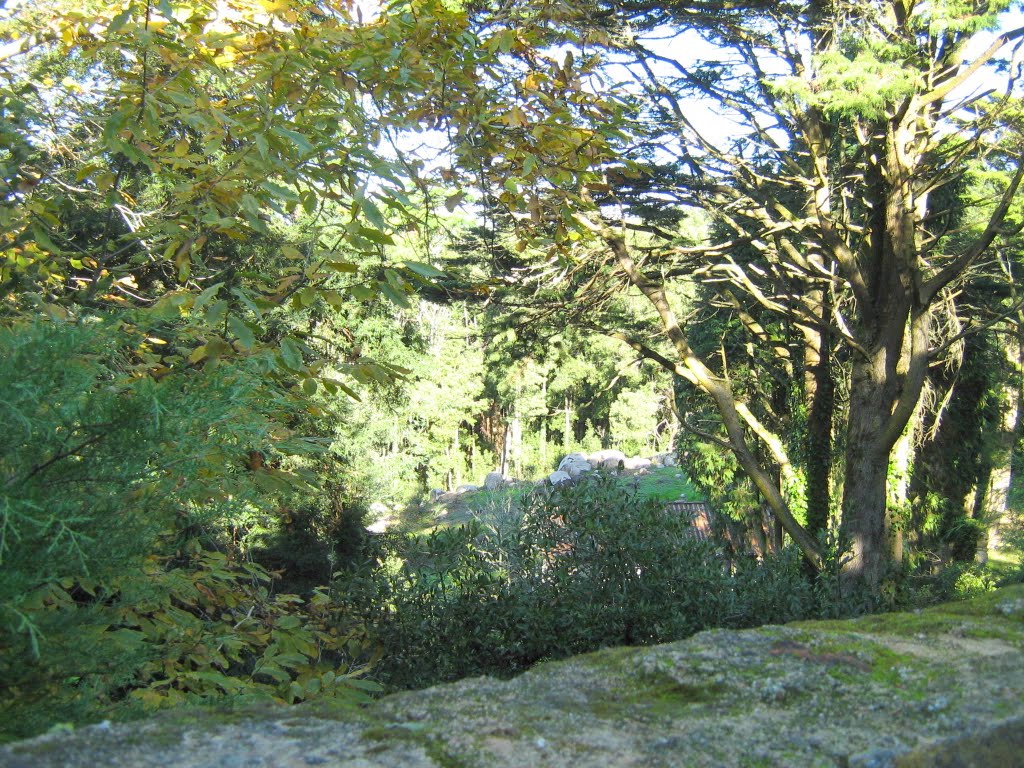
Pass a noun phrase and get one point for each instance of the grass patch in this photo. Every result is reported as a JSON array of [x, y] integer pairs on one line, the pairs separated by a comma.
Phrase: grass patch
[[1005, 564], [663, 484]]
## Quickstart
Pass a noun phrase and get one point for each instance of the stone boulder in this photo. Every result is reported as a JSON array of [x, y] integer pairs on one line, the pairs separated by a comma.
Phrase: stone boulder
[[467, 488], [494, 480], [636, 463], [558, 477], [665, 460], [575, 464], [938, 687], [600, 457]]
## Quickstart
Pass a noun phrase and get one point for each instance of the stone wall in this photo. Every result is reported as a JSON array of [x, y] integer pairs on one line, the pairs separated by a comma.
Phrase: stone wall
[[939, 687]]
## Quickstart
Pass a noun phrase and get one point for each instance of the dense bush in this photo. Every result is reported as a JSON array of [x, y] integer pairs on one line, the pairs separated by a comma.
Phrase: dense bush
[[575, 569], [116, 489]]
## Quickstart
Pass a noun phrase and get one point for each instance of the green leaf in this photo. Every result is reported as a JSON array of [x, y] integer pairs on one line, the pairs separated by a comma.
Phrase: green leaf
[[335, 299], [395, 297], [421, 269], [120, 19], [373, 214], [362, 293], [244, 333], [343, 266], [307, 296], [215, 314], [376, 236], [348, 391], [279, 191], [297, 139], [261, 145], [291, 354], [165, 9], [243, 296], [42, 237], [204, 298]]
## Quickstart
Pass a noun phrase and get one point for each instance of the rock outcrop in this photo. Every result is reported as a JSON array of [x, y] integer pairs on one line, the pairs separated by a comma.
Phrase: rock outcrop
[[939, 687]]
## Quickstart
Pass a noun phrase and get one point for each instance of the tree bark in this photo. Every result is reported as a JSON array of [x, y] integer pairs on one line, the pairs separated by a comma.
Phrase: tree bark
[[820, 391], [864, 490], [885, 387]]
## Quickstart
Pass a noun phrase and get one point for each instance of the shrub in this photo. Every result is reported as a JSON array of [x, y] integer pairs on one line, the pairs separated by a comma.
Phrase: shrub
[[109, 480], [576, 569]]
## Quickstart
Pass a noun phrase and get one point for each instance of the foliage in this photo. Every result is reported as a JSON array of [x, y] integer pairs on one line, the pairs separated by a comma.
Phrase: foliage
[[824, 115], [570, 570], [211, 224], [167, 150], [100, 459], [1011, 551], [192, 629], [962, 436], [108, 476], [630, 420]]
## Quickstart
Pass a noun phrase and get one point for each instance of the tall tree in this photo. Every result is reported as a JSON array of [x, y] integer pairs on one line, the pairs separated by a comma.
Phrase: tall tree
[[839, 126]]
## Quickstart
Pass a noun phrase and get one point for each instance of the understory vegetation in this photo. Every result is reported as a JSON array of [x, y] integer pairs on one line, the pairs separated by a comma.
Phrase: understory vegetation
[[273, 274]]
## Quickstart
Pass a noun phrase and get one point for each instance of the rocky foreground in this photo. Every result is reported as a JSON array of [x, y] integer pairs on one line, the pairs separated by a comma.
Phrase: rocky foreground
[[940, 687]]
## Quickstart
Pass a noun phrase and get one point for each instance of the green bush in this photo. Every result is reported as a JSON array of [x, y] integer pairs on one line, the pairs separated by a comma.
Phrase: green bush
[[570, 570], [114, 487]]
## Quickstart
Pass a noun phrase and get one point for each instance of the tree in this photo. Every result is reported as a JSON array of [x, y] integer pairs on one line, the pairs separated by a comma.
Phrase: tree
[[157, 148], [186, 188], [850, 122]]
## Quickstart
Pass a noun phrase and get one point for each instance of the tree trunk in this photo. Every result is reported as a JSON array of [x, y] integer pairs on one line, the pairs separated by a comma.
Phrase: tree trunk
[[516, 452], [820, 389], [544, 424], [506, 449], [864, 510], [993, 502], [693, 370], [567, 427], [882, 400]]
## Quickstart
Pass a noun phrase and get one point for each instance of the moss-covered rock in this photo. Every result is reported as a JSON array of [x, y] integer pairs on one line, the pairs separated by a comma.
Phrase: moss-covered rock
[[939, 687]]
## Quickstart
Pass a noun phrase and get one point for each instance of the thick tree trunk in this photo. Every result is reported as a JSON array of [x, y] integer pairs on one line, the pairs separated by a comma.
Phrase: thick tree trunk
[[864, 490], [885, 387]]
